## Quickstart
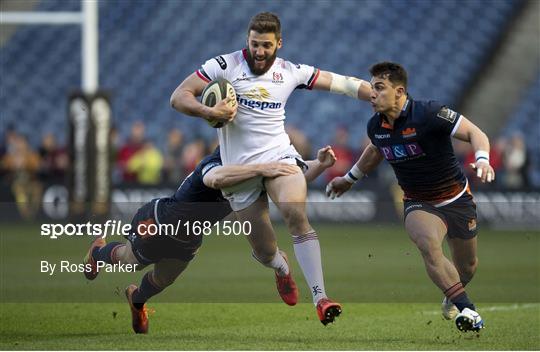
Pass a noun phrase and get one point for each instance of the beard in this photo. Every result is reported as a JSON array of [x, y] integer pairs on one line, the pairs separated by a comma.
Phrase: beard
[[258, 70]]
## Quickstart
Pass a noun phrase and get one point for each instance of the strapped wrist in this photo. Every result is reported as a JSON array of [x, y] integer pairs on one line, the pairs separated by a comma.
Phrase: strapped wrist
[[354, 175], [481, 155]]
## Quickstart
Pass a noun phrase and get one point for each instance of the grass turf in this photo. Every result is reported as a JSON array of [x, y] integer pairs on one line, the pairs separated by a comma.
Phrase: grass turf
[[262, 326], [389, 303]]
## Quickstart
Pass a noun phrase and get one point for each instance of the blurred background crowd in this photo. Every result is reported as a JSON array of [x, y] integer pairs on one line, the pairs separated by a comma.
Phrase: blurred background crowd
[[139, 160], [480, 57]]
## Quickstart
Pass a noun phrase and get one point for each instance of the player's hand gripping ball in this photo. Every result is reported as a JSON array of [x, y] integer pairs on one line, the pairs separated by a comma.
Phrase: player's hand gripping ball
[[215, 92]]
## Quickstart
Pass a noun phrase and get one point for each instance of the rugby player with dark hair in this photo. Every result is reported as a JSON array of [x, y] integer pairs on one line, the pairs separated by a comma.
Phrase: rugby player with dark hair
[[255, 133], [197, 199], [415, 138]]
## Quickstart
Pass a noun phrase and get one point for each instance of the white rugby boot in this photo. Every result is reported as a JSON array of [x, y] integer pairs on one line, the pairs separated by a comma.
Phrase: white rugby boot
[[449, 309], [469, 320]]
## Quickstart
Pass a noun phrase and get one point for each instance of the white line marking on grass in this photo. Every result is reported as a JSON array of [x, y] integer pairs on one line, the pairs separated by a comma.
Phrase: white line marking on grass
[[515, 306]]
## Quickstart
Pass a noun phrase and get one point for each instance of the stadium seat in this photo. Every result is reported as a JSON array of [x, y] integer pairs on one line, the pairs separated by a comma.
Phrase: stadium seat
[[148, 47]]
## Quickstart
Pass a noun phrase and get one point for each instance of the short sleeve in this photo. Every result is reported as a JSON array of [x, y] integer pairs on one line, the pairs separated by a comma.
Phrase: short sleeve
[[209, 167], [369, 129], [442, 119], [305, 75], [214, 68], [210, 162]]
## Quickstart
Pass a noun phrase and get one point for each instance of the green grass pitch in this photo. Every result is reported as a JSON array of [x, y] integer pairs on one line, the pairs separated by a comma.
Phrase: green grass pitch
[[225, 300]]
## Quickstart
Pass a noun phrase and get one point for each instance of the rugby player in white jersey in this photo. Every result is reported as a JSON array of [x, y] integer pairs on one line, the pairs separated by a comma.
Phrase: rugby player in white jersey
[[255, 133]]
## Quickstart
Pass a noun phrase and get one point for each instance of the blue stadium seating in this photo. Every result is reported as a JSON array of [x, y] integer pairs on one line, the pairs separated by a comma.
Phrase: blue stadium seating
[[147, 47], [526, 121]]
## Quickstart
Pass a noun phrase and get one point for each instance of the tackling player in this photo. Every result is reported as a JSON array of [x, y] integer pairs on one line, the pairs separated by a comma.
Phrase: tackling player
[[255, 133], [197, 199], [415, 138]]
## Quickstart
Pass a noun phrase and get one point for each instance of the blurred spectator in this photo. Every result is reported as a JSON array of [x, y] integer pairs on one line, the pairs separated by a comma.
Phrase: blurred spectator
[[299, 141], [22, 164], [345, 155], [495, 160], [132, 146], [54, 160], [8, 140], [173, 170], [116, 172], [212, 145], [192, 154], [146, 165], [515, 162]]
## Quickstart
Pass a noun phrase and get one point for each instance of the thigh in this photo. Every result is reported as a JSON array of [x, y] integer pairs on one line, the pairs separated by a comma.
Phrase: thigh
[[463, 250], [287, 189], [169, 269], [426, 229], [461, 218]]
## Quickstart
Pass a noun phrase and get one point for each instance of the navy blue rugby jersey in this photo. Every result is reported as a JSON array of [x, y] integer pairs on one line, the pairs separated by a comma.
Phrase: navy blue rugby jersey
[[419, 149], [193, 200]]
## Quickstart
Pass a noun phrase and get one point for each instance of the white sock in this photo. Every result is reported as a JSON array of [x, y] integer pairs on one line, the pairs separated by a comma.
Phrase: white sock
[[277, 263], [308, 255]]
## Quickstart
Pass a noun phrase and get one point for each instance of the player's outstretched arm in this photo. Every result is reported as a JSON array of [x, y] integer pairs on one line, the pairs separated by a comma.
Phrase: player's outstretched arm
[[351, 86], [369, 160], [325, 159], [469, 132], [184, 99], [231, 175]]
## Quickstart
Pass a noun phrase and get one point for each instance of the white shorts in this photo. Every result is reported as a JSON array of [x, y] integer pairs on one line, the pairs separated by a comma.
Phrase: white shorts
[[246, 193]]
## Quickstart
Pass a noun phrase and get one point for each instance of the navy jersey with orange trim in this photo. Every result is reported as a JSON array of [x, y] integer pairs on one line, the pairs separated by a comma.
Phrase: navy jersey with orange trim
[[193, 200], [419, 149]]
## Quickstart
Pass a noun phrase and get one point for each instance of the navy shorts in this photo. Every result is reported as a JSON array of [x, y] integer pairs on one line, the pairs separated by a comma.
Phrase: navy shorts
[[459, 216], [150, 249]]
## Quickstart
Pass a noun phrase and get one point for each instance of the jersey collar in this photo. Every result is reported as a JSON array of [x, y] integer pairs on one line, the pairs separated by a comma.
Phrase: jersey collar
[[404, 111]]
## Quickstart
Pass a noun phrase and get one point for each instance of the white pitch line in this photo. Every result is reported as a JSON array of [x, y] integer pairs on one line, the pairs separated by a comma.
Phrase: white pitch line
[[496, 308]]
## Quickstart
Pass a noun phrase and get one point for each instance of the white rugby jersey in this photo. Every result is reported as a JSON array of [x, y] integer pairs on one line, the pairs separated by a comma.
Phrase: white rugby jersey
[[257, 134]]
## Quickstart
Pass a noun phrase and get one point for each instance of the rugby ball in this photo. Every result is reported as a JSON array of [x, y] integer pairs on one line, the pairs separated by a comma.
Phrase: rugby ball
[[216, 91]]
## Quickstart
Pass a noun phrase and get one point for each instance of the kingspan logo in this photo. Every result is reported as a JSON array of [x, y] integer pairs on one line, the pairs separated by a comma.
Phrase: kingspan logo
[[256, 99]]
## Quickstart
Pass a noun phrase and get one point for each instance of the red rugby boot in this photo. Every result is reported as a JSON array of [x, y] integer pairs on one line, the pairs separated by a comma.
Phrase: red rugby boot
[[139, 317], [328, 310], [286, 286]]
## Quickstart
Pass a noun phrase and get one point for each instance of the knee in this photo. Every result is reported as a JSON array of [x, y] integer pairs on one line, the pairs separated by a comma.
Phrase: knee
[[430, 250], [296, 219], [264, 254], [124, 255]]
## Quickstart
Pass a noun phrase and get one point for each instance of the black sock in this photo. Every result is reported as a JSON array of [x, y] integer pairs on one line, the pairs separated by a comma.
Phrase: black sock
[[462, 301], [457, 295], [104, 254], [147, 289]]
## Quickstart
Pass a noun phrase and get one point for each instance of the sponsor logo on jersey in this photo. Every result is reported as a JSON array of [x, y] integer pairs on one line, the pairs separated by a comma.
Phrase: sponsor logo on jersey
[[447, 114], [221, 61], [257, 104], [257, 98], [244, 77], [277, 77], [401, 151], [258, 93], [382, 136], [409, 132]]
